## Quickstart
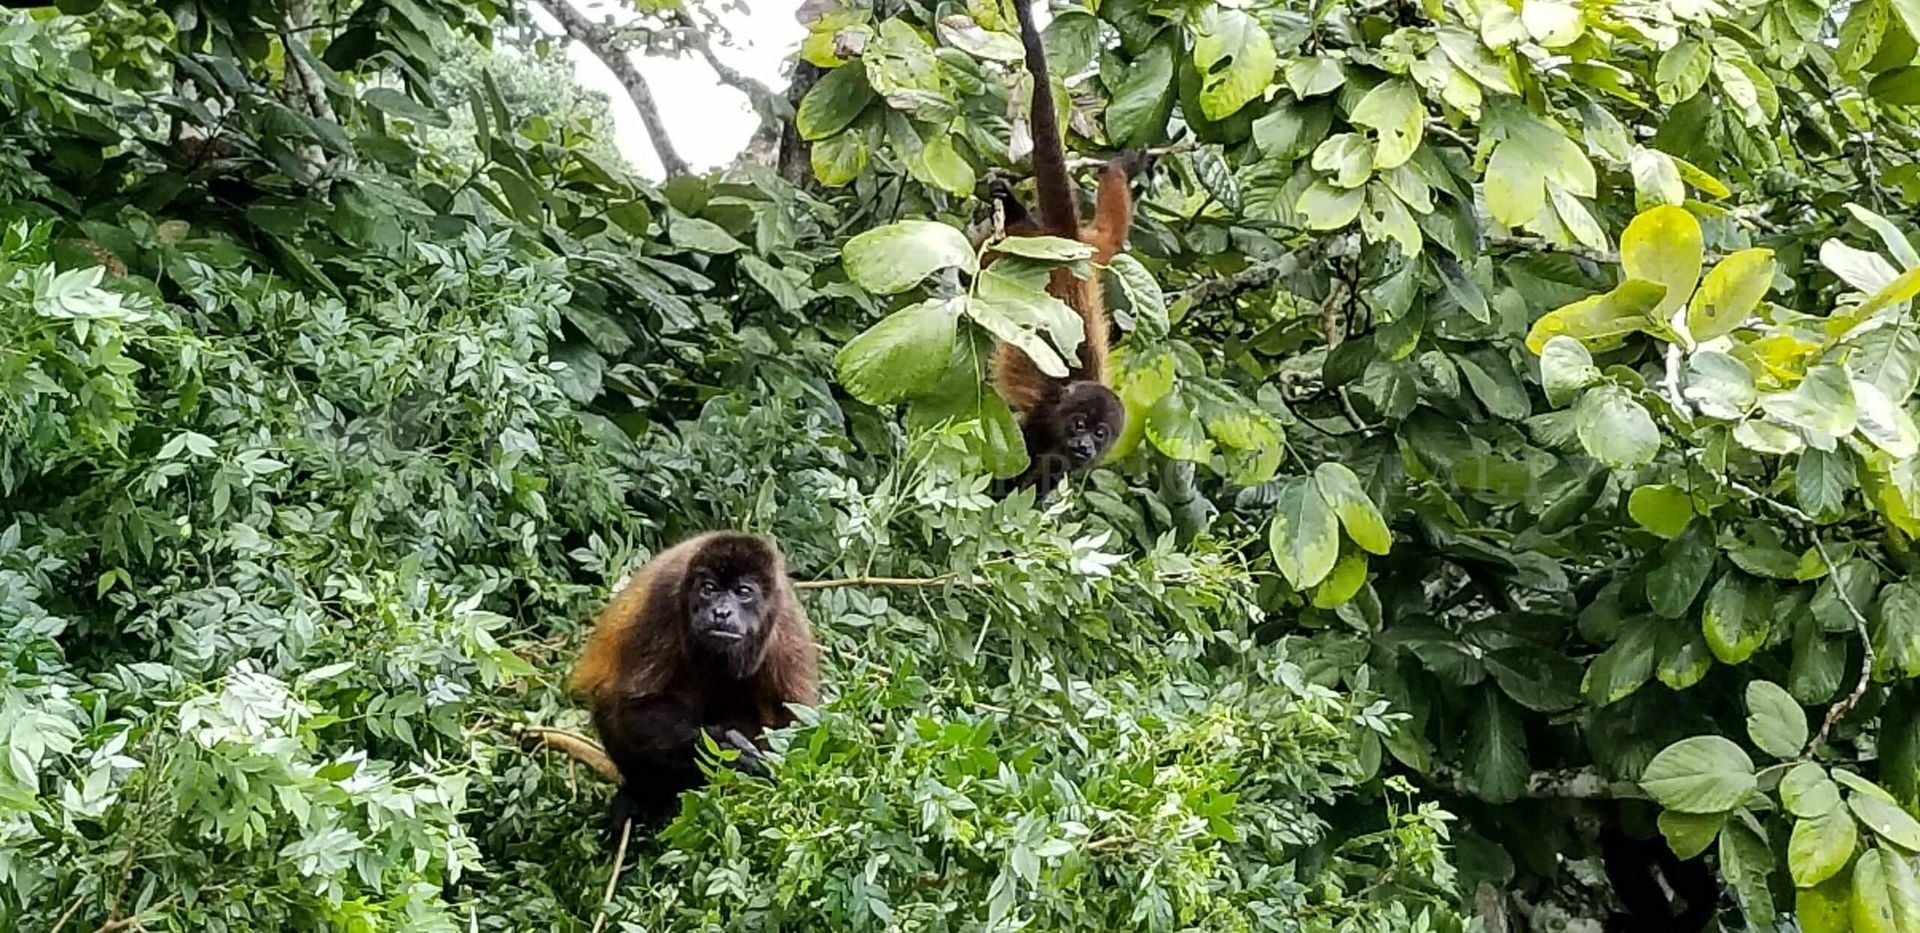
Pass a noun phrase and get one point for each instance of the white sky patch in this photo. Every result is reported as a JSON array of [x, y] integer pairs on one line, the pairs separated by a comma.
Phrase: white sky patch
[[708, 122]]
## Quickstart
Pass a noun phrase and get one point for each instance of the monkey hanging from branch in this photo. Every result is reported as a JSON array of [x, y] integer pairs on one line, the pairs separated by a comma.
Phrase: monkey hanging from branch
[[1069, 423], [707, 637]]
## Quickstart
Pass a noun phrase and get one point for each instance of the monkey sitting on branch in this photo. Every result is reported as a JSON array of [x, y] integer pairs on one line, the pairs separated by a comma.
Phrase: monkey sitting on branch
[[706, 637]]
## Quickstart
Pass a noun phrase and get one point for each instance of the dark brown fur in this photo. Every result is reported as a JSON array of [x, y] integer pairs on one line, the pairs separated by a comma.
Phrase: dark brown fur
[[1050, 407], [652, 692]]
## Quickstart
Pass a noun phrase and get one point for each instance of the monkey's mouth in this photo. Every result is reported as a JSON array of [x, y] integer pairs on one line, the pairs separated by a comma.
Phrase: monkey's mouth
[[723, 635]]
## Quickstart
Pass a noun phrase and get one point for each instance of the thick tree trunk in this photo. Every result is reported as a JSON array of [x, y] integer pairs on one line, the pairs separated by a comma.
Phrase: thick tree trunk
[[596, 39]]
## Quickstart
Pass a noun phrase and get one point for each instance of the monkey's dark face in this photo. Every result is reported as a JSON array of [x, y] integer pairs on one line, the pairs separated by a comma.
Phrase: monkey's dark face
[[1091, 418], [727, 613]]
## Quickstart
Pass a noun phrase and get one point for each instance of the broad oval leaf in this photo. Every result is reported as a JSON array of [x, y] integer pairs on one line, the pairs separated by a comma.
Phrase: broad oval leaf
[[1703, 774], [1628, 309], [1304, 535], [1236, 59], [1566, 368], [904, 355], [1887, 820], [1662, 509], [1807, 792], [1616, 429], [833, 103], [1664, 245], [1349, 501], [1730, 293], [1820, 846], [1394, 112], [1775, 721], [891, 259]]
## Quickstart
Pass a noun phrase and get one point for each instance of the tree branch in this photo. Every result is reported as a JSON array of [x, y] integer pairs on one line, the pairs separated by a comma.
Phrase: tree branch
[[598, 40], [1259, 275], [1848, 702], [1561, 784], [771, 107], [947, 579]]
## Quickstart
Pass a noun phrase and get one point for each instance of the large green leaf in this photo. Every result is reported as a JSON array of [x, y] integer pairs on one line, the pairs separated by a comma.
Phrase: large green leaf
[[1737, 618], [1304, 536], [1143, 100], [1236, 59], [1822, 402], [1342, 491], [1663, 245], [1662, 509], [1721, 386], [904, 355], [833, 103], [1775, 721], [1565, 368], [1615, 428], [1685, 564], [1532, 152], [1042, 326], [1730, 293], [1496, 751], [1601, 319], [1807, 792], [891, 259], [1820, 847], [1703, 774], [1886, 820], [1873, 893], [1746, 862], [1394, 112]]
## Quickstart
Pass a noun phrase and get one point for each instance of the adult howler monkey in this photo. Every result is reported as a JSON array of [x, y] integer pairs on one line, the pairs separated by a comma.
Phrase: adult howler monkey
[[705, 637], [1068, 423]]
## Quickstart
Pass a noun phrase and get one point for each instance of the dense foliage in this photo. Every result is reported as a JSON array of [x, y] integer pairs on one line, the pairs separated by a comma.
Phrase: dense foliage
[[1520, 402]]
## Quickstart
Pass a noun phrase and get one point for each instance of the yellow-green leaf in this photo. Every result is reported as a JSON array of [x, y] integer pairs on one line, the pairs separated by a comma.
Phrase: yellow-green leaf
[[1730, 293], [1663, 245], [1349, 500]]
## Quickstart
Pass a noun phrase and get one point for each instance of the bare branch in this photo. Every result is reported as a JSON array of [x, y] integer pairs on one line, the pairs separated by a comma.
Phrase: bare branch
[[771, 107], [598, 39], [1259, 275], [613, 880], [947, 579], [1848, 702]]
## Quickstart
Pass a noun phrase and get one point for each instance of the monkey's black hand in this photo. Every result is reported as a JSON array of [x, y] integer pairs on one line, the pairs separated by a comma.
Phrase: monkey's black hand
[[751, 761], [1135, 162]]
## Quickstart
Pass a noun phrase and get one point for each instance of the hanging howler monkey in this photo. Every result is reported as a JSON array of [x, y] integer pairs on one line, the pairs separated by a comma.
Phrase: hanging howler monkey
[[1068, 423], [705, 637]]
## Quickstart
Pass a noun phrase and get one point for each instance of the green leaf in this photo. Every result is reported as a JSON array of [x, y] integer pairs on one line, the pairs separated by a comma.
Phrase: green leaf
[[1464, 50], [1601, 319], [1045, 248], [1615, 429], [1328, 208], [1689, 834], [1496, 753], [1566, 368], [1040, 325], [1495, 384], [891, 259], [1736, 619], [1394, 112], [1685, 563], [1775, 721], [1807, 792], [1236, 60], [904, 355], [1554, 23], [1662, 509], [1348, 576], [1346, 157], [1343, 493], [1820, 847], [1746, 862], [1532, 152], [1905, 287], [838, 160], [1656, 179], [1821, 480], [1899, 87], [1304, 536], [1684, 656], [1896, 631], [943, 168], [1682, 71], [960, 31], [1872, 894], [1623, 667], [833, 103], [702, 236], [1144, 298], [1663, 245], [1896, 241], [1143, 98], [1822, 402], [1886, 820], [1313, 76], [1868, 272], [1174, 431], [1720, 385], [1826, 907], [1702, 774], [398, 104], [1539, 679], [1291, 130], [1730, 293]]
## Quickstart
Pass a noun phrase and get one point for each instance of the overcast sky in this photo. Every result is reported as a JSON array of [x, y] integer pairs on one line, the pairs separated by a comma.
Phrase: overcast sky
[[708, 121]]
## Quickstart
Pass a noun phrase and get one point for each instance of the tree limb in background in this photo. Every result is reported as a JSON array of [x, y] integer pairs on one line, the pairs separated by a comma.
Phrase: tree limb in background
[[772, 107], [598, 40]]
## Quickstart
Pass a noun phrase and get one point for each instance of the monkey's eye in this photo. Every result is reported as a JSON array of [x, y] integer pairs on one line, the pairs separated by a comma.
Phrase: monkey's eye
[[707, 588], [1100, 431], [744, 591]]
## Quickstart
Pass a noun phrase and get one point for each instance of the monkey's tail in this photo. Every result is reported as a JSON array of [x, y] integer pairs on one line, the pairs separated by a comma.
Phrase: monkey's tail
[[1058, 201]]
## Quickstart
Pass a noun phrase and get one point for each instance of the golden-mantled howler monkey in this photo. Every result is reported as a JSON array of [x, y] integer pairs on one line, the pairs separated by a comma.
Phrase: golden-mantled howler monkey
[[707, 637], [1069, 423]]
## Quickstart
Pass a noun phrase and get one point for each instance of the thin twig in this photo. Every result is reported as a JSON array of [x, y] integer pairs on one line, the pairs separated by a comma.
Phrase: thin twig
[[942, 580], [68, 914], [1848, 702], [132, 921], [613, 881], [1258, 275]]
